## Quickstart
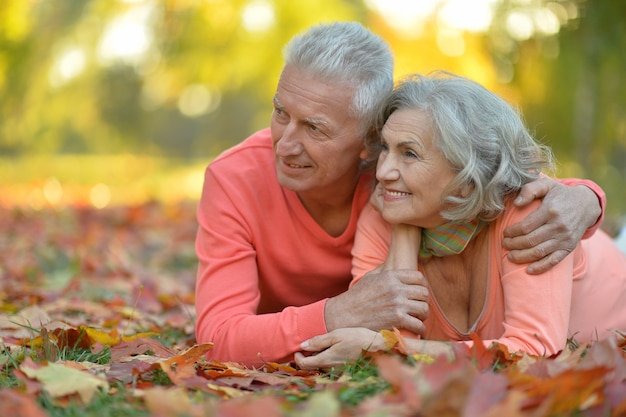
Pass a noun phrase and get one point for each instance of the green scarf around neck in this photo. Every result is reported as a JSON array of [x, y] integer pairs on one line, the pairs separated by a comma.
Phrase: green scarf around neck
[[450, 238]]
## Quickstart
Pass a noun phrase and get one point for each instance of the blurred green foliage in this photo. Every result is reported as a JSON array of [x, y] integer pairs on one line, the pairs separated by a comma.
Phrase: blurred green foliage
[[188, 78]]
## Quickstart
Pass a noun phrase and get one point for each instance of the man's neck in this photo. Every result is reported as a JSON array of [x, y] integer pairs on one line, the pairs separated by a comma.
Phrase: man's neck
[[331, 209]]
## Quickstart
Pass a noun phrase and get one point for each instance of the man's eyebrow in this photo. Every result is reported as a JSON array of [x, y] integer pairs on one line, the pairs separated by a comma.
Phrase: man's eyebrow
[[277, 102], [316, 121]]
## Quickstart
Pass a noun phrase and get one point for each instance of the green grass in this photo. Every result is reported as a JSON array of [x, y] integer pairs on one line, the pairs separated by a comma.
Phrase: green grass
[[364, 382], [102, 405]]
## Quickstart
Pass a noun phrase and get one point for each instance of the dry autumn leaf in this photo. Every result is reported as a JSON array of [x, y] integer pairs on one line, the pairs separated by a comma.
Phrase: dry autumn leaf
[[60, 380], [121, 307]]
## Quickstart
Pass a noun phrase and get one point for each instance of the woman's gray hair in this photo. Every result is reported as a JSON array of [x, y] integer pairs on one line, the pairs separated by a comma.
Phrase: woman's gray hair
[[482, 137], [348, 53]]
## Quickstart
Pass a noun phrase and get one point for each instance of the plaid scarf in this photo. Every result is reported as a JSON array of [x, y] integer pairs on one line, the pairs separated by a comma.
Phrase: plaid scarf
[[448, 239]]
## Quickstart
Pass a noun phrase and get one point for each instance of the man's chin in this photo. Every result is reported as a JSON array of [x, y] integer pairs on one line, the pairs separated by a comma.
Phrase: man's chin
[[290, 183]]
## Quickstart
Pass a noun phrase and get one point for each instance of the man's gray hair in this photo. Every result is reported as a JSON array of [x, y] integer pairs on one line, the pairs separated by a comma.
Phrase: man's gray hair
[[482, 137], [348, 53]]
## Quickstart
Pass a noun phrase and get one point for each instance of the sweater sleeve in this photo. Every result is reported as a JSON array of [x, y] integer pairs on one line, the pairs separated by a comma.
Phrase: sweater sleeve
[[601, 200], [228, 293], [371, 243]]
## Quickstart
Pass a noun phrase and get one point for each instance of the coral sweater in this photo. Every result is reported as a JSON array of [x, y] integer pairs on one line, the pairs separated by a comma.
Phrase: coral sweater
[[266, 268], [581, 297]]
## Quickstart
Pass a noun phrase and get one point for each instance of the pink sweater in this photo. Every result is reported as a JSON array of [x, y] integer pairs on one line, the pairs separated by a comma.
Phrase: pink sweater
[[266, 267], [581, 297]]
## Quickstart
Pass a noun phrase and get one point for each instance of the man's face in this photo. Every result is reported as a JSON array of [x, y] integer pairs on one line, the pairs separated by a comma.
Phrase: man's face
[[316, 142]]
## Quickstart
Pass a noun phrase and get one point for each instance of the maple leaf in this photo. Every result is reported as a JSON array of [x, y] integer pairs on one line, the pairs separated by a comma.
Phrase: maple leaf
[[182, 366], [403, 378], [113, 338], [138, 346], [170, 402], [13, 403], [246, 406], [59, 380], [487, 391]]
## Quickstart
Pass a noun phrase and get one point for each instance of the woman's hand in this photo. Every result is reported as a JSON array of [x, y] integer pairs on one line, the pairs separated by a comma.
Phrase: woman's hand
[[336, 348]]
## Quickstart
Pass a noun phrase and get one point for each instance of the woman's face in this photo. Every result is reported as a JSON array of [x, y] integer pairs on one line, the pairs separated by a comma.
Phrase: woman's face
[[412, 170]]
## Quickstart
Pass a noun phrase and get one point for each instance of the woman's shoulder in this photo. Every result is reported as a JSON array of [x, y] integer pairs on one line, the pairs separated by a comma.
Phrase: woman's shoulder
[[513, 214]]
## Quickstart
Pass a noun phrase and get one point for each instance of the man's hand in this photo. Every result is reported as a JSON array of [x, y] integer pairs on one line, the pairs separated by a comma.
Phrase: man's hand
[[381, 300], [551, 232]]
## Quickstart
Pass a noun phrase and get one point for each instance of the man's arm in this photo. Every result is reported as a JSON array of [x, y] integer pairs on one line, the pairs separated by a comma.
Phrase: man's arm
[[571, 209], [227, 289]]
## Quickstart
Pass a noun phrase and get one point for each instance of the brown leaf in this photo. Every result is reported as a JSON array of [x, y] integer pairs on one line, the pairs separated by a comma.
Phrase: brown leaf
[[181, 367], [403, 378], [16, 404], [487, 391], [138, 347], [267, 406]]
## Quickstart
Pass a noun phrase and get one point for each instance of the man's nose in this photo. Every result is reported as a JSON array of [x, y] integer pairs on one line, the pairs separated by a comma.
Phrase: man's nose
[[289, 142]]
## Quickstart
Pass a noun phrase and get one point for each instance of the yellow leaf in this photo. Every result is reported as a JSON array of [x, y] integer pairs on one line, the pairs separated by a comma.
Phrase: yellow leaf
[[59, 380], [113, 338], [390, 338], [227, 392]]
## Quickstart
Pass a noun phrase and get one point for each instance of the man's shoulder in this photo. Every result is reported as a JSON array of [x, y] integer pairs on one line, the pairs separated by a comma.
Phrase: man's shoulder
[[246, 164], [256, 147]]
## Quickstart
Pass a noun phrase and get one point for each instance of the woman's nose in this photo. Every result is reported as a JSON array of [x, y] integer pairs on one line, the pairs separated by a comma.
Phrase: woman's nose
[[385, 169]]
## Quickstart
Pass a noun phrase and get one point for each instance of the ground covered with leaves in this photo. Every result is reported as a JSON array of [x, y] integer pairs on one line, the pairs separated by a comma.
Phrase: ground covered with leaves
[[97, 319]]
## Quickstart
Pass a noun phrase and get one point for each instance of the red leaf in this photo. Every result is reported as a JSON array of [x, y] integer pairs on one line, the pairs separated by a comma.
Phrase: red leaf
[[15, 404]]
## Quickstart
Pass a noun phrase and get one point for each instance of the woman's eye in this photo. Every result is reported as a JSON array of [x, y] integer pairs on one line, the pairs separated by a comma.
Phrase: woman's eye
[[410, 154]]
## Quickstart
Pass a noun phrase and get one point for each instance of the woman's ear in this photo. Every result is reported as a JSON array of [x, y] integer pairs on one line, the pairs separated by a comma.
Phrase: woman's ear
[[466, 190]]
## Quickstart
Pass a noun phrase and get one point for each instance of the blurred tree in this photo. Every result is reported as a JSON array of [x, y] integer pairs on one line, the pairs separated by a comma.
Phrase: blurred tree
[[186, 78], [189, 78], [574, 95]]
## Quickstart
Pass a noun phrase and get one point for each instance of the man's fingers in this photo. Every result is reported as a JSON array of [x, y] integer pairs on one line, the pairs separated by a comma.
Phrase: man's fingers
[[414, 325], [533, 190], [547, 262], [531, 223], [535, 253]]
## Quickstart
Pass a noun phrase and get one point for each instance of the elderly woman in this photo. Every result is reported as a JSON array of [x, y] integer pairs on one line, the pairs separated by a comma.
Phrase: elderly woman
[[452, 155]]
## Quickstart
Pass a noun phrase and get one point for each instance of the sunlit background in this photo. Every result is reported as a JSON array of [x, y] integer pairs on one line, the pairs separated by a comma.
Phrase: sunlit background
[[107, 102]]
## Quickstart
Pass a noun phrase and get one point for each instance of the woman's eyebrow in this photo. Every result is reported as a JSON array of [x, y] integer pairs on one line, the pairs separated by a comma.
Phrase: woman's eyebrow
[[409, 143]]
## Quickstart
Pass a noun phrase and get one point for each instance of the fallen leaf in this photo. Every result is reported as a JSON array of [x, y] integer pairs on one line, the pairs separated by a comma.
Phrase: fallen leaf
[[59, 380]]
